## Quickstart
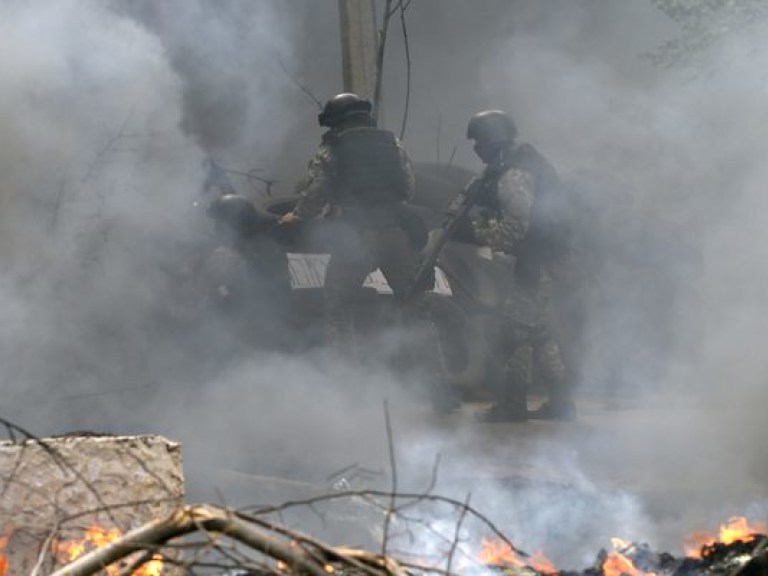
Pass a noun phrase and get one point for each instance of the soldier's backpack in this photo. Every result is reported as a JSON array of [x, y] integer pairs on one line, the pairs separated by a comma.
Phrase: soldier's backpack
[[549, 235], [370, 166]]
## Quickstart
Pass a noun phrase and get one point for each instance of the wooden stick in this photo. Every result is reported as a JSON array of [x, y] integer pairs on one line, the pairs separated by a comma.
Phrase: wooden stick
[[184, 521]]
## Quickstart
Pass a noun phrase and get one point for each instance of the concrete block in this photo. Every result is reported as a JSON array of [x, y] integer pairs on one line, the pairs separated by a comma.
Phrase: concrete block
[[54, 489]]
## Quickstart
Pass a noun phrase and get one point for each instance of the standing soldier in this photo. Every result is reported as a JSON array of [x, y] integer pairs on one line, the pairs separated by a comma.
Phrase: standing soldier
[[521, 219], [360, 178]]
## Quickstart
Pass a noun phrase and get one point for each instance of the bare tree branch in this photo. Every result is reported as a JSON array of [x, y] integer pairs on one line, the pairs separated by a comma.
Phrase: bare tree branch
[[301, 86], [185, 521], [400, 496], [453, 153], [457, 534], [107, 148], [403, 8], [207, 537], [393, 471], [388, 12]]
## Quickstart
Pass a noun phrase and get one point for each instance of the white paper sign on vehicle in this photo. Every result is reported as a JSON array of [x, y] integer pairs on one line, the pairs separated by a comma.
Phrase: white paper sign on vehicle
[[308, 271]]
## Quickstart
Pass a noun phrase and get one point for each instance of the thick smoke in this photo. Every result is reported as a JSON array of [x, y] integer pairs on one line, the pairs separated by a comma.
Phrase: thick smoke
[[95, 181], [676, 293], [108, 110], [240, 68]]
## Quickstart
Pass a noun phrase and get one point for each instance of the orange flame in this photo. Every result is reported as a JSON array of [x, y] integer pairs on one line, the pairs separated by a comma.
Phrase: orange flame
[[96, 536], [616, 563], [495, 552], [3, 558], [735, 529]]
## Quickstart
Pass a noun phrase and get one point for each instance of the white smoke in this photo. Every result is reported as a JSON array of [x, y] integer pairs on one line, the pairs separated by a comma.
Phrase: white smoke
[[670, 164], [107, 112], [682, 312]]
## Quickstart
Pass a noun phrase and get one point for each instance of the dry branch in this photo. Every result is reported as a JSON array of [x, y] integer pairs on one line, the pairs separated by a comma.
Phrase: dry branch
[[298, 553], [184, 521]]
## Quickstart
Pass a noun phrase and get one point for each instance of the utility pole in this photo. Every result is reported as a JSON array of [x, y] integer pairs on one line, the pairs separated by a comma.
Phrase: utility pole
[[358, 46]]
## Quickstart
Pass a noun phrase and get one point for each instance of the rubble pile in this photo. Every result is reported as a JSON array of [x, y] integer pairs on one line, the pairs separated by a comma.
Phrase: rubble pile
[[740, 554], [739, 558]]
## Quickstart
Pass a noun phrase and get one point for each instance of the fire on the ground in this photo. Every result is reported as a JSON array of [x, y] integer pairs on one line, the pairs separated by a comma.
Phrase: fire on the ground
[[493, 552], [66, 550]]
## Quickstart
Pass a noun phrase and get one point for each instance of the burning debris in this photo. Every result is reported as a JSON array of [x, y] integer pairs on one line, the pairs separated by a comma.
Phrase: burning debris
[[96, 537], [61, 497], [109, 505], [227, 542], [3, 557], [738, 549]]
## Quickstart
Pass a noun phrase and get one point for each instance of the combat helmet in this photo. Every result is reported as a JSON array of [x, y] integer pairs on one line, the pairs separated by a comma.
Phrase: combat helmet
[[492, 127], [237, 215], [342, 107]]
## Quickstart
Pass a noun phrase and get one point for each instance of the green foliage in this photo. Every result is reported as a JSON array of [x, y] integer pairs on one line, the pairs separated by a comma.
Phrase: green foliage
[[707, 25]]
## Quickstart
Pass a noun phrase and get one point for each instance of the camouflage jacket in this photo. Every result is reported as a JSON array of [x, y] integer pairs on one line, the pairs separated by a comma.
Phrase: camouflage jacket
[[502, 220], [321, 191]]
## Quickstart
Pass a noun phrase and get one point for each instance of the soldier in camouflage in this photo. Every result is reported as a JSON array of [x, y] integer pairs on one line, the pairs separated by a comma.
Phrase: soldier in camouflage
[[520, 220], [360, 178]]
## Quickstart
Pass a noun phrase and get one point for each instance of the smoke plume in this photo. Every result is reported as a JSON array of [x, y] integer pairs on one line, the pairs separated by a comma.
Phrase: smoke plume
[[108, 110]]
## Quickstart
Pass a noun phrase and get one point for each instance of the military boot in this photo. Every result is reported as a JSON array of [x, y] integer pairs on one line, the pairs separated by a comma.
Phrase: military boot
[[445, 400], [509, 385], [511, 406], [560, 405], [504, 413], [555, 409]]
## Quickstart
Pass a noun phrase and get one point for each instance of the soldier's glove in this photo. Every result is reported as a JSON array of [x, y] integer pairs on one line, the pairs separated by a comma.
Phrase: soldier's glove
[[465, 231], [481, 232], [288, 218]]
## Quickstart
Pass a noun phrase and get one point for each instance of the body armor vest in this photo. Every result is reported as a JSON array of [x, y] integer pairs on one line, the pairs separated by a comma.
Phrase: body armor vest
[[370, 167], [548, 237]]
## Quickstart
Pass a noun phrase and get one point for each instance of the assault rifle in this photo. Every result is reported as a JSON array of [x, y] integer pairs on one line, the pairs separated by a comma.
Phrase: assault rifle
[[457, 209]]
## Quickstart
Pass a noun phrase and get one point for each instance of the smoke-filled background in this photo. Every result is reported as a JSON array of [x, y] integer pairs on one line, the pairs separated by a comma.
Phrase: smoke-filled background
[[108, 110]]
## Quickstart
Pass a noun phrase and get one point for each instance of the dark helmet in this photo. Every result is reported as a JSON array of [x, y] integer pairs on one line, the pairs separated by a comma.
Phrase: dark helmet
[[236, 213], [341, 107], [492, 127]]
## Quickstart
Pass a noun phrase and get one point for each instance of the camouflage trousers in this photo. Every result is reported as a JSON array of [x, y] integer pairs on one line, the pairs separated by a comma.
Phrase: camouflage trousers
[[538, 360], [355, 253], [523, 356]]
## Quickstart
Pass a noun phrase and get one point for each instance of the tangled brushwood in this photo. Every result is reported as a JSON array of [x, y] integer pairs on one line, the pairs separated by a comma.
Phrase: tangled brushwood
[[88, 504]]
